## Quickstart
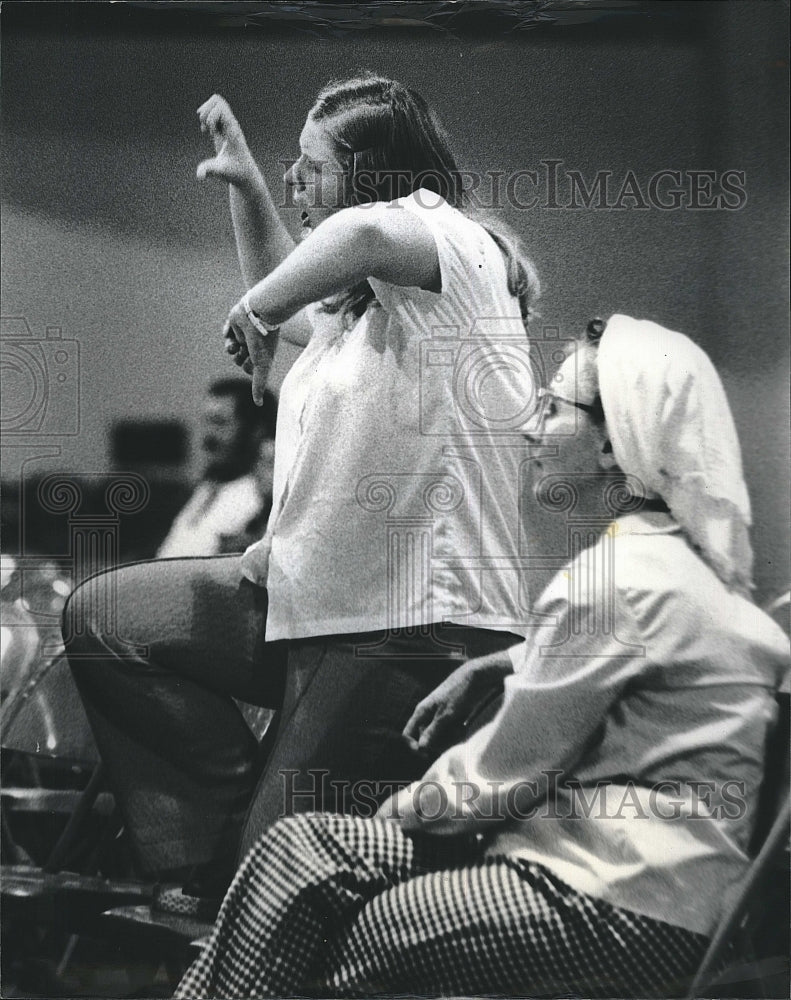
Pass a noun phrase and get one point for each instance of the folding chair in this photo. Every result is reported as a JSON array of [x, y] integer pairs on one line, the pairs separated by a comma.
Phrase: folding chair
[[730, 958]]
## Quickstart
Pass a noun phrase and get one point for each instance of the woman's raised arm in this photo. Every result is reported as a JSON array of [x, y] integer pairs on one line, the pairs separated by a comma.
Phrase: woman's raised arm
[[262, 241]]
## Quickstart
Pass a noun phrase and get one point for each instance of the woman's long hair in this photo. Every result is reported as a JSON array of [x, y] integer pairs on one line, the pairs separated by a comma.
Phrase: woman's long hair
[[391, 144]]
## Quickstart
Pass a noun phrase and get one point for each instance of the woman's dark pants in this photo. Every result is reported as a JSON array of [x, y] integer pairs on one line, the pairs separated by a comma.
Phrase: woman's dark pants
[[160, 650]]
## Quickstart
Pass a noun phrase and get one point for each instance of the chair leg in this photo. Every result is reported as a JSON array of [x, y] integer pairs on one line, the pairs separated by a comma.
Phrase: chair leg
[[71, 833], [13, 854], [68, 951]]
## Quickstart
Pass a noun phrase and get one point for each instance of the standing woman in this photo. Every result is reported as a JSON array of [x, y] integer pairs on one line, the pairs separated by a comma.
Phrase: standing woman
[[396, 464]]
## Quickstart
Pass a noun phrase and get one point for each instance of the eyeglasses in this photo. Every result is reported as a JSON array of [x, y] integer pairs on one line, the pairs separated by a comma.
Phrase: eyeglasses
[[546, 394]]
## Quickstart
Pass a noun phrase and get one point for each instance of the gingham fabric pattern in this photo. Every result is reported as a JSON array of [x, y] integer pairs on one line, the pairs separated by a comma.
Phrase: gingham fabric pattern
[[329, 905]]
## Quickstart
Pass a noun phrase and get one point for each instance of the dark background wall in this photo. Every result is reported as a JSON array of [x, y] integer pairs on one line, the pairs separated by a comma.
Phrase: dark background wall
[[107, 234]]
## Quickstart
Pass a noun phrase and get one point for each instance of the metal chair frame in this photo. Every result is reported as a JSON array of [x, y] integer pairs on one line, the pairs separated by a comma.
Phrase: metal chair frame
[[739, 919]]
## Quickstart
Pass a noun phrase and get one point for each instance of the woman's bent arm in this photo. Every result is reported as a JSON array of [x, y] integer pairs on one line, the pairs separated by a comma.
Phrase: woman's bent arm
[[262, 241], [353, 244]]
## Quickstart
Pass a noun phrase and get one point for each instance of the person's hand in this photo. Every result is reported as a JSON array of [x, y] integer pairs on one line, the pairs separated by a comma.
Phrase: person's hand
[[440, 719], [237, 348], [233, 162], [249, 348]]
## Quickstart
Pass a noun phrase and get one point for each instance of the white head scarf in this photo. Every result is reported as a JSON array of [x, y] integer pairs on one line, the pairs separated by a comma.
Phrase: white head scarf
[[670, 425]]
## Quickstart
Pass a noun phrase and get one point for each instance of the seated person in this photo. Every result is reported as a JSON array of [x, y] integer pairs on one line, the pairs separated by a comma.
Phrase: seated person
[[237, 442], [583, 839]]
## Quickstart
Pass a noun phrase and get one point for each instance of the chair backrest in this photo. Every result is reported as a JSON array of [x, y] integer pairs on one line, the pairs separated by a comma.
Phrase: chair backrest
[[770, 842], [777, 773]]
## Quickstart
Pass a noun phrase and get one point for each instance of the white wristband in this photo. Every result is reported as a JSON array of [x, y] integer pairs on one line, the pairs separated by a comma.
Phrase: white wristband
[[263, 328]]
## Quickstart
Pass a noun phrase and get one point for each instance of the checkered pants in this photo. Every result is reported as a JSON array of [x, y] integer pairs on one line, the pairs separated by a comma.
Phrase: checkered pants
[[328, 905]]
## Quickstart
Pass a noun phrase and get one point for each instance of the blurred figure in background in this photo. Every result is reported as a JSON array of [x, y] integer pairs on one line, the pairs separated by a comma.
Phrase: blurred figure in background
[[234, 495]]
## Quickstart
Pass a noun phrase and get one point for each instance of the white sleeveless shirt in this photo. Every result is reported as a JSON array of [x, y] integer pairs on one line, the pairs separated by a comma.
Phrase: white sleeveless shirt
[[398, 451]]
